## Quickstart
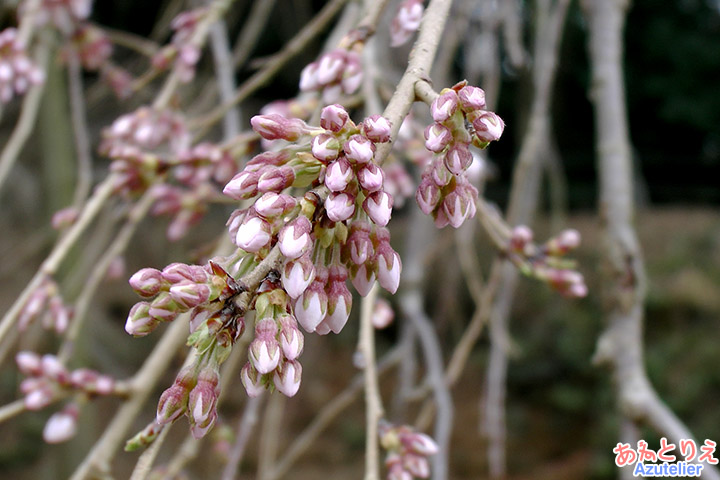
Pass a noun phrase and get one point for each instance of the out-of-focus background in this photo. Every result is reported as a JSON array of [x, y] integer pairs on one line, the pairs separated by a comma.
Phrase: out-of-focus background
[[562, 420]]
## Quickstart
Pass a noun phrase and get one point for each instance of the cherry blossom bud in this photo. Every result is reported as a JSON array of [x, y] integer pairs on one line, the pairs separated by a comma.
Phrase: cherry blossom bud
[[388, 267], [564, 242], [253, 234], [291, 339], [458, 158], [339, 206], [520, 237], [139, 322], [39, 398], [251, 380], [427, 195], [440, 174], [64, 217], [148, 282], [172, 403], [359, 149], [437, 137], [202, 401], [419, 443], [267, 159], [382, 314], [333, 117], [488, 125], [338, 175], [332, 93], [359, 247], [444, 106], [378, 206], [277, 127], [406, 22], [416, 465], [164, 308], [294, 238], [471, 98], [243, 185], [190, 295], [311, 307], [54, 369], [330, 66], [363, 278], [339, 299], [455, 207], [325, 147], [181, 272], [371, 177], [308, 78], [276, 179], [264, 351], [62, 425], [352, 75], [287, 378], [377, 128], [29, 363], [272, 204], [297, 275]]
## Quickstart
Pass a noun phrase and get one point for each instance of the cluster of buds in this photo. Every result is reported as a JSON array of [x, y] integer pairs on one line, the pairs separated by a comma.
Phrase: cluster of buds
[[547, 262], [17, 71], [406, 22], [460, 121], [206, 290], [49, 380], [46, 303], [346, 235], [407, 451], [144, 144], [92, 45], [199, 172], [273, 354], [65, 15], [193, 393], [182, 50], [334, 73]]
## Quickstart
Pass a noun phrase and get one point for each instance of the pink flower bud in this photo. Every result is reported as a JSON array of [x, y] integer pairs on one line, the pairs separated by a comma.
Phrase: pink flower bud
[[564, 242], [243, 185], [439, 173], [180, 272], [311, 307], [62, 425], [276, 179], [64, 217], [378, 206], [417, 466], [332, 93], [471, 98], [406, 22], [252, 380], [308, 78], [325, 147], [297, 275], [148, 282], [267, 159], [458, 158], [29, 363], [253, 234], [388, 267], [52, 368], [358, 247], [488, 125], [172, 403], [338, 175], [330, 66], [437, 137], [291, 339], [39, 398], [359, 149], [339, 206], [287, 378], [190, 295], [202, 401], [520, 237], [371, 177], [339, 299], [294, 238], [377, 128], [272, 204], [277, 127], [444, 106], [264, 354], [333, 117], [139, 322], [455, 207], [352, 75], [427, 195], [363, 278], [164, 308], [383, 314], [419, 443]]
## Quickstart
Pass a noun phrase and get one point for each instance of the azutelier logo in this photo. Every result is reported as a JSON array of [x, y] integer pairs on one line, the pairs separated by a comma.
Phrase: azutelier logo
[[625, 456]]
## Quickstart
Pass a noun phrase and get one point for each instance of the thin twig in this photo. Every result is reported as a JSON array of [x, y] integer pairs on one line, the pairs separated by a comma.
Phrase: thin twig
[[225, 75], [373, 402], [80, 129], [144, 464], [11, 410], [269, 440], [251, 30], [245, 427]]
